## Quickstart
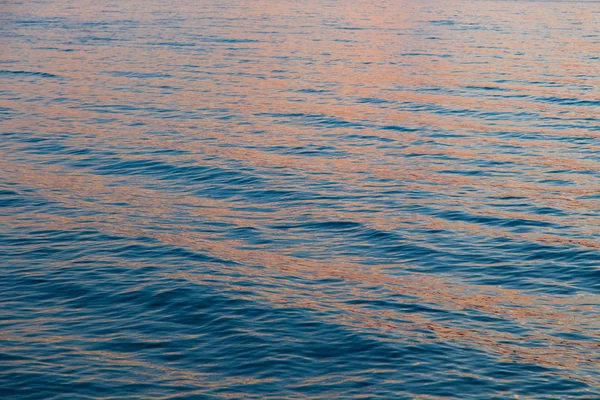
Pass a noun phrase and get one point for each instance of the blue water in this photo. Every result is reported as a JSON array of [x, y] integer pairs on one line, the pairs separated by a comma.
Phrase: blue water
[[278, 199]]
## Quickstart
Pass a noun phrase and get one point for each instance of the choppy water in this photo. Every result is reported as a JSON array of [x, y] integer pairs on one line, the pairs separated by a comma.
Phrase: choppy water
[[316, 199]]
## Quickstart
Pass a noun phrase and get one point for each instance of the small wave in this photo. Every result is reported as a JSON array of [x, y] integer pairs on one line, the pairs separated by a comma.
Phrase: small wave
[[29, 73]]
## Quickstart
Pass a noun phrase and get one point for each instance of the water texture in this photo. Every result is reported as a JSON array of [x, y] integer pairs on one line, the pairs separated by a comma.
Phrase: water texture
[[277, 199]]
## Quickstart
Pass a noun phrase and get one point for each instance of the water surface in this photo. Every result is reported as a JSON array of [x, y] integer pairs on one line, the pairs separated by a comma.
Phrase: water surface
[[316, 199]]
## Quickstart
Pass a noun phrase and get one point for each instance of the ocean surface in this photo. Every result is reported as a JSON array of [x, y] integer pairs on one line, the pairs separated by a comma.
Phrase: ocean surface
[[331, 199]]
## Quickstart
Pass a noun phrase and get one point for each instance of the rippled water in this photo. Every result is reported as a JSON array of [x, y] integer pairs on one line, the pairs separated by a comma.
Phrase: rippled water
[[316, 199]]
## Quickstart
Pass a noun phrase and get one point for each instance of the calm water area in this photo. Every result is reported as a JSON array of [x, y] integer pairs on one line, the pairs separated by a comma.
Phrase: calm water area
[[333, 199]]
